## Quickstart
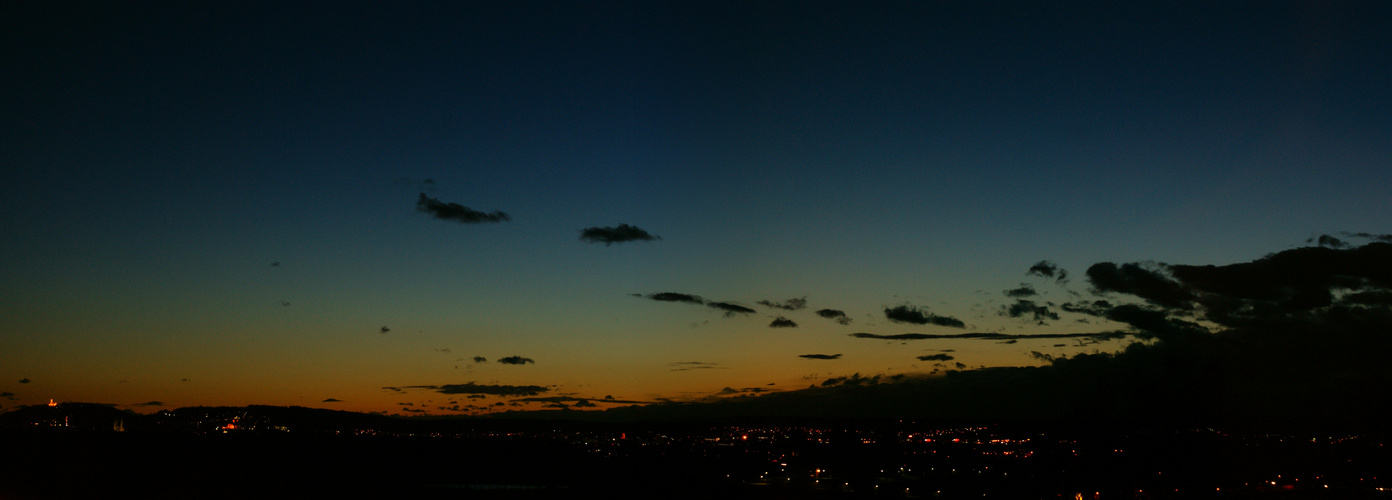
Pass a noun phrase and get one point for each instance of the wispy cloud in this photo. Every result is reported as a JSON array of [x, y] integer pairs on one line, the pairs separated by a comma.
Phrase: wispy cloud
[[515, 360], [819, 356], [787, 305], [730, 309], [456, 212]]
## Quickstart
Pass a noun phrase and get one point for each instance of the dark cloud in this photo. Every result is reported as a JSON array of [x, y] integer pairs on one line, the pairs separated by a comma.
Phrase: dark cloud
[[332, 400], [990, 336], [396, 389], [936, 357], [1027, 308], [1298, 336], [147, 403], [730, 309], [1385, 238], [1094, 308], [515, 360], [852, 380], [24, 381], [577, 401], [676, 297], [456, 212], [835, 315], [920, 316], [619, 234], [781, 322], [385, 330], [820, 356], [480, 359], [681, 366], [495, 390], [1046, 269], [1025, 290], [1147, 281], [787, 305], [7, 395], [1325, 240]]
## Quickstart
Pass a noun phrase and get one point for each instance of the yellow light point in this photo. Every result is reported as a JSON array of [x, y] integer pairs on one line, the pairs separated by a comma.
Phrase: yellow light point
[[51, 403]]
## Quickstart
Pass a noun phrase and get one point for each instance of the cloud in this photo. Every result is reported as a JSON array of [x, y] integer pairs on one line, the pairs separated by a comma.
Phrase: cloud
[[24, 381], [936, 357], [495, 390], [1094, 308], [920, 316], [385, 330], [1022, 307], [787, 305], [781, 322], [676, 297], [1046, 269], [1025, 290], [836, 315], [480, 359], [577, 401], [990, 336], [1147, 281], [1298, 336], [681, 366], [396, 389], [820, 356], [456, 212], [147, 403], [332, 400], [619, 234], [730, 309], [1385, 238], [515, 360], [7, 395]]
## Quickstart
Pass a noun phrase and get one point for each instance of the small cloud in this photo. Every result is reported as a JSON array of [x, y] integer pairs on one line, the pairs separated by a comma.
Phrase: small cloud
[[385, 329], [584, 403], [397, 389], [1328, 241], [819, 356], [1025, 290], [183, 380], [147, 403], [787, 305], [836, 315], [676, 297], [275, 264], [24, 381], [457, 212], [681, 366], [331, 400], [480, 359], [920, 316], [515, 360], [731, 309], [619, 234], [936, 357], [1046, 269], [1023, 307], [781, 322]]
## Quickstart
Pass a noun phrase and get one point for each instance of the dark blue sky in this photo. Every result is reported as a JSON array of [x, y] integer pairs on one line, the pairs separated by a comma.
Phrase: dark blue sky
[[161, 156]]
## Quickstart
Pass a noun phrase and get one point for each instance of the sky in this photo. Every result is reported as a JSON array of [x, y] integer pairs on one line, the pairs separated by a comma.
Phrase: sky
[[472, 207]]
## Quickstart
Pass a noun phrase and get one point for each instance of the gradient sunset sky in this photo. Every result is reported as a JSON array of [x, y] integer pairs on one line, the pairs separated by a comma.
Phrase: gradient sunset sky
[[248, 203]]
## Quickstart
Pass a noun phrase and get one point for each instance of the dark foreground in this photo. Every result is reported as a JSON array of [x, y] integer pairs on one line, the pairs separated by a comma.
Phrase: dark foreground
[[898, 460]]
